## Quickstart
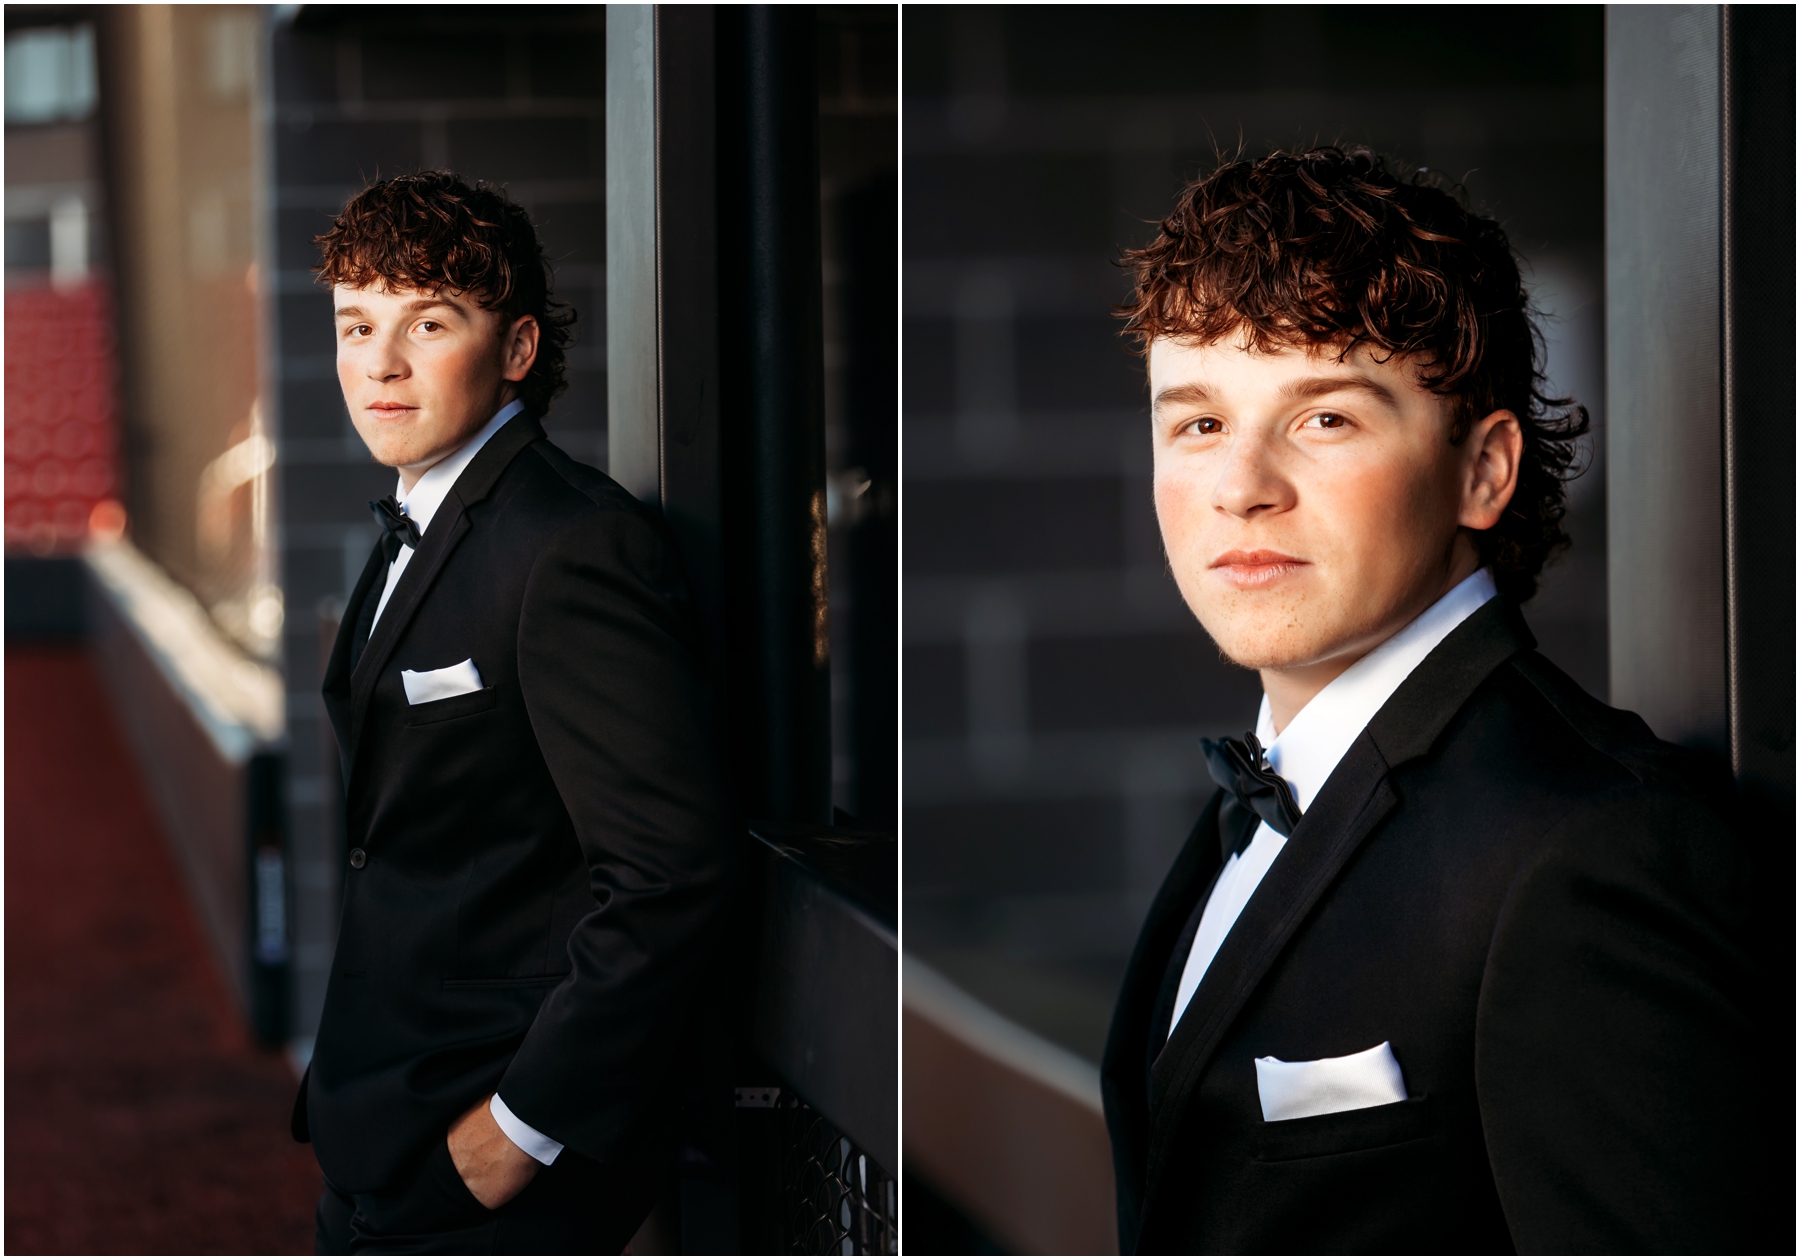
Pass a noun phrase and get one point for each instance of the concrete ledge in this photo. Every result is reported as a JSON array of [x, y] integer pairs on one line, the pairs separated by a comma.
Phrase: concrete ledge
[[238, 702], [825, 980], [196, 711], [1007, 1124]]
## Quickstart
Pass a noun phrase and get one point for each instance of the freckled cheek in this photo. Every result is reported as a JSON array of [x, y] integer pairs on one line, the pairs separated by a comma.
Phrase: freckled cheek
[[351, 378], [1181, 511]]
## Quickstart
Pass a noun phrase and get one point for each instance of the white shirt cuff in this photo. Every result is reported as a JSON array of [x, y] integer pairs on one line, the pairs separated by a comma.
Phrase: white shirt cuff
[[544, 1150]]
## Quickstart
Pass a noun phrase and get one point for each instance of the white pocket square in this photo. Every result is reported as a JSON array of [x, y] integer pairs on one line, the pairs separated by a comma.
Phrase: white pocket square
[[424, 686], [1290, 1091]]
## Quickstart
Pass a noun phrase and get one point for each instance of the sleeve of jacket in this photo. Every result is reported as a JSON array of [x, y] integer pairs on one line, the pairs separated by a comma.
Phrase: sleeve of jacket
[[610, 669], [1614, 1052]]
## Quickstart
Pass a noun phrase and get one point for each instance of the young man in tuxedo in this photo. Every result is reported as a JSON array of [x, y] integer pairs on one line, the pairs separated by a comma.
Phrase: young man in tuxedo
[[1455, 958], [537, 824]]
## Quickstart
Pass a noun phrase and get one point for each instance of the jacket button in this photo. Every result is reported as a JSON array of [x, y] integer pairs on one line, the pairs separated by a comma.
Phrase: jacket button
[[357, 858]]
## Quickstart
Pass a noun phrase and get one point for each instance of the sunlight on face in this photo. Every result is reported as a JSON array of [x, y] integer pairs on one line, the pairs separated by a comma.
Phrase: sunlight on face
[[422, 372], [1309, 507]]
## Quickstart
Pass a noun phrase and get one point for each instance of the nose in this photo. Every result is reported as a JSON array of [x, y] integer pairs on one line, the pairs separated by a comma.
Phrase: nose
[[386, 362], [1251, 482]]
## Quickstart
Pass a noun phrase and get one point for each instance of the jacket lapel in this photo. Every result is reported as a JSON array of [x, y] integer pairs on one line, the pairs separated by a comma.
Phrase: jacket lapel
[[447, 529], [1122, 1063], [1353, 802], [336, 686]]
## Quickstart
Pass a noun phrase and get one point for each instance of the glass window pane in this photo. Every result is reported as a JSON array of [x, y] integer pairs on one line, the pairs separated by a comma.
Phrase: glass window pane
[[50, 74]]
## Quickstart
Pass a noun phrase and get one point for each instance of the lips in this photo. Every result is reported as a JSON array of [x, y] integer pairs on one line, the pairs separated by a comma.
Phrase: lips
[[1249, 570], [390, 409]]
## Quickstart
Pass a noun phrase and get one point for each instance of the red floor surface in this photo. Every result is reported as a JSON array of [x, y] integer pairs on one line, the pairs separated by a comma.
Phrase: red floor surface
[[140, 1118]]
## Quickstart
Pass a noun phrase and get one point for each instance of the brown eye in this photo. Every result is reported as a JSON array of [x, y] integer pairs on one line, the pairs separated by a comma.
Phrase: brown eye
[[1206, 426], [1330, 420]]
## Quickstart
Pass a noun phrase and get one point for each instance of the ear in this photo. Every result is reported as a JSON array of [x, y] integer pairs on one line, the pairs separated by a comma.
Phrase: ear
[[519, 348], [1491, 455]]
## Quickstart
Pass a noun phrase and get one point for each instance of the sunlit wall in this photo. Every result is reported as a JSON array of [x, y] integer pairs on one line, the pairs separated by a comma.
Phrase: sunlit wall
[[180, 86]]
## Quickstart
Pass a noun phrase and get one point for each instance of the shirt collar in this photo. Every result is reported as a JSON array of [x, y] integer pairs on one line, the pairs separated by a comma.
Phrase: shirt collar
[[1320, 734], [429, 490]]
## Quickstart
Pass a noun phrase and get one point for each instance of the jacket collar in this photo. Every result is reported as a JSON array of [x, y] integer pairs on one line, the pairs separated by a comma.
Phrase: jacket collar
[[1309, 747], [1353, 802], [446, 530]]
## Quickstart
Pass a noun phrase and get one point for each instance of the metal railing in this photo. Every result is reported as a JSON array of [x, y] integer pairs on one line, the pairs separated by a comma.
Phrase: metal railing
[[825, 1021]]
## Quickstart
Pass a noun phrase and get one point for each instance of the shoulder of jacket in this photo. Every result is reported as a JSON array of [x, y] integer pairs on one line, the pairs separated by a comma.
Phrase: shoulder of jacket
[[556, 499], [582, 517], [1621, 736], [585, 481], [1658, 836]]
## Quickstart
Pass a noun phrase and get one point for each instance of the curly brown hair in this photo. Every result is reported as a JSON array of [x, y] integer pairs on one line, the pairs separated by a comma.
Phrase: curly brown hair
[[433, 231], [1328, 248]]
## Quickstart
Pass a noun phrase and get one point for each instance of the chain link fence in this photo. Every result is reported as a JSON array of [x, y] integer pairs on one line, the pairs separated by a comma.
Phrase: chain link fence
[[836, 1200]]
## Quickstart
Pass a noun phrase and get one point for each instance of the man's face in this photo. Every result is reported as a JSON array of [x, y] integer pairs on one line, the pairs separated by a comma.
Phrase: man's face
[[422, 372], [1310, 508]]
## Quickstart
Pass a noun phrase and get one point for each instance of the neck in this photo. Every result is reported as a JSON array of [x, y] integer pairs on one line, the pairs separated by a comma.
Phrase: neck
[[1291, 688]]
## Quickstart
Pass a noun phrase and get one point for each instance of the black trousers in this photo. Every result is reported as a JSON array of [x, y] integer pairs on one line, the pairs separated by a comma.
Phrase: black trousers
[[573, 1207]]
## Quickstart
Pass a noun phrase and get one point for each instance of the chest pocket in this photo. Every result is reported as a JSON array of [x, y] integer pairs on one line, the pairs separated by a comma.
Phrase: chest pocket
[[465, 705], [1344, 1131]]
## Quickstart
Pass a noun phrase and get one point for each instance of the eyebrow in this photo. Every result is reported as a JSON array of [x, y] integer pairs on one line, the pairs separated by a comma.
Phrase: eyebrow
[[412, 307], [1294, 391], [1175, 395], [1319, 386]]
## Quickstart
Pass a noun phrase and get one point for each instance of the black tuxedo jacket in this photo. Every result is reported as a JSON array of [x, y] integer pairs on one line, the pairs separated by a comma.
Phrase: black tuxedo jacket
[[544, 860], [1543, 910]]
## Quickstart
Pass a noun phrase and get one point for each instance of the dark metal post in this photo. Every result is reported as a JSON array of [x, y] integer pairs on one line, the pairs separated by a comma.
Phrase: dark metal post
[[687, 288], [270, 899], [716, 413], [1700, 491], [774, 441], [663, 409], [1758, 332], [1757, 329], [868, 226]]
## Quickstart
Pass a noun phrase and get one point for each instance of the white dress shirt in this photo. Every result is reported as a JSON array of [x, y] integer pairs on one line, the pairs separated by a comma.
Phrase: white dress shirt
[[421, 505], [429, 490], [1309, 749]]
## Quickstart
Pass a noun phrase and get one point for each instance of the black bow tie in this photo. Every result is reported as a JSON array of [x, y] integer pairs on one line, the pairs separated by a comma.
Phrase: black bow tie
[[1253, 791], [401, 528]]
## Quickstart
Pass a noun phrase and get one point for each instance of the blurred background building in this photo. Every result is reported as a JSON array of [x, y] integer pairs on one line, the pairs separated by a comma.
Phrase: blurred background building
[[185, 494], [61, 436], [1055, 684]]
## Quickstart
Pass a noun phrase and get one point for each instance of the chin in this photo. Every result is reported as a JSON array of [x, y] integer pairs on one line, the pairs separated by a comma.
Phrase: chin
[[1258, 650], [390, 451], [387, 457], [1253, 629], [1267, 637]]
